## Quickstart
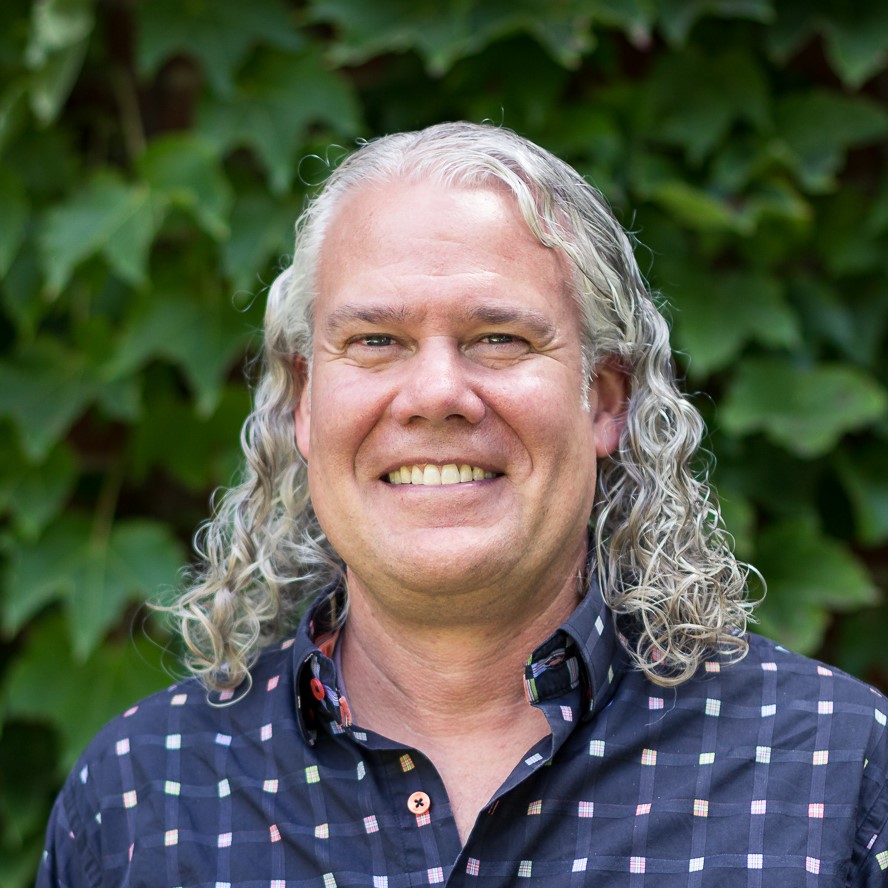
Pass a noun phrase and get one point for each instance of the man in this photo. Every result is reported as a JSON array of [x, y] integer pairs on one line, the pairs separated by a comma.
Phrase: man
[[527, 662]]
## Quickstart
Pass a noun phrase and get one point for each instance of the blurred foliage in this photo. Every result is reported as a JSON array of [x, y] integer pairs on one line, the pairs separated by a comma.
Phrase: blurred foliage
[[153, 157]]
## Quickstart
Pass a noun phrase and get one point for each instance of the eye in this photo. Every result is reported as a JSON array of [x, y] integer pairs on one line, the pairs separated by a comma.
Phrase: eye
[[497, 349], [373, 349], [375, 340], [499, 339]]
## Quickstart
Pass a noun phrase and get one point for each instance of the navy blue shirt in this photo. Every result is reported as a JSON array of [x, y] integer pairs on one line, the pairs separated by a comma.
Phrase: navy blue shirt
[[771, 771]]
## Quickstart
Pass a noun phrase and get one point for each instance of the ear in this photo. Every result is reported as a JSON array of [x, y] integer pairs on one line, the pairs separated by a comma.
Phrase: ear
[[302, 409], [609, 401]]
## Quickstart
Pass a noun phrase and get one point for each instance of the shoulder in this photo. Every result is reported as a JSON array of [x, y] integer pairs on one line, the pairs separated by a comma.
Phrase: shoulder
[[177, 737], [185, 720], [799, 696], [187, 709], [792, 675], [817, 724]]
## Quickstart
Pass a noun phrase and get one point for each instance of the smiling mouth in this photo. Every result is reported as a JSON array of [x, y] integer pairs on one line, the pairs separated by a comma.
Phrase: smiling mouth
[[434, 476]]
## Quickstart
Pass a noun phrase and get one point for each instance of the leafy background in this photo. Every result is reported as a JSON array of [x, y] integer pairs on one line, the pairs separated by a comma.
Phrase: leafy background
[[153, 157]]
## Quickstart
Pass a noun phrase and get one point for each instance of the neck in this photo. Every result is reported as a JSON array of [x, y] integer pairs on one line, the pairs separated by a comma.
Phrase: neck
[[409, 678]]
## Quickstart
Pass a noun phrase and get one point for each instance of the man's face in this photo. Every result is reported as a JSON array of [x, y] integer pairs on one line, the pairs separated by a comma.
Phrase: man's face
[[447, 350]]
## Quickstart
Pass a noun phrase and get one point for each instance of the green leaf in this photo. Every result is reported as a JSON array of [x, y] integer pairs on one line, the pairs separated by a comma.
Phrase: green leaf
[[13, 218], [775, 482], [261, 228], [804, 409], [854, 319], [808, 575], [695, 208], [443, 33], [21, 291], [218, 33], [718, 315], [34, 492], [56, 25], [109, 218], [677, 17], [95, 574], [696, 97], [28, 782], [739, 519], [794, 24], [857, 39], [60, 32], [52, 82], [13, 109], [634, 17], [878, 218], [276, 102], [860, 644], [776, 200], [44, 387], [819, 127], [204, 452], [844, 243], [78, 696], [184, 170], [826, 317], [863, 474], [201, 335]]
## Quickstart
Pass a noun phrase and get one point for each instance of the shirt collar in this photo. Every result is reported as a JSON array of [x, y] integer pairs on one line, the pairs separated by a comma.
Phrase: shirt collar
[[590, 632], [583, 653]]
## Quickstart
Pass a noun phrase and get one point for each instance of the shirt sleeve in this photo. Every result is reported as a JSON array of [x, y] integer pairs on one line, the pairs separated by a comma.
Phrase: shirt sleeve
[[873, 872], [870, 861], [67, 860]]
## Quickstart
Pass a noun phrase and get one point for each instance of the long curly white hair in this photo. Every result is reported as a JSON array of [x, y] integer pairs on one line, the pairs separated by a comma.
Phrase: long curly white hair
[[663, 557]]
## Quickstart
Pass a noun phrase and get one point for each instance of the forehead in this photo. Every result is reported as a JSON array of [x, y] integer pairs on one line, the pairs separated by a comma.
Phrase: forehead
[[424, 239]]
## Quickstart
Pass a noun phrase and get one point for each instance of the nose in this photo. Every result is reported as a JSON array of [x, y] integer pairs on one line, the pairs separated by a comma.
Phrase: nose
[[437, 385]]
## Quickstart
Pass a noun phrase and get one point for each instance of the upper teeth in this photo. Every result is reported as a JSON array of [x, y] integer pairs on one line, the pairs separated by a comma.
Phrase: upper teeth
[[431, 475]]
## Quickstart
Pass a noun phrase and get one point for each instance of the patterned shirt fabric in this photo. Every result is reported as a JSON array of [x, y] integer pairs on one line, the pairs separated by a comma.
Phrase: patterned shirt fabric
[[768, 772]]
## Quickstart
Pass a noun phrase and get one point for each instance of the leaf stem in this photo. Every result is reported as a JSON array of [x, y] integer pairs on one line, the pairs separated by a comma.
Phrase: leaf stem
[[106, 507], [130, 112]]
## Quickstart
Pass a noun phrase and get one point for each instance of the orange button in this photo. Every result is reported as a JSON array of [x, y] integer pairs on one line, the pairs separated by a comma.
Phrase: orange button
[[317, 689], [419, 803]]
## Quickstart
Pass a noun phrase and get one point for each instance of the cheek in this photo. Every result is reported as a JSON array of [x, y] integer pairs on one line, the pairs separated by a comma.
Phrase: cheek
[[551, 415], [345, 412]]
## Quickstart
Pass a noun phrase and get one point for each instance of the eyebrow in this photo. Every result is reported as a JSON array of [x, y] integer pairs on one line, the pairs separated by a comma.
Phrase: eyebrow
[[476, 314]]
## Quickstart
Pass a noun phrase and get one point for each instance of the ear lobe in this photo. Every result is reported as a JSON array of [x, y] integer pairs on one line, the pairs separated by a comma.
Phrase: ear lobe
[[302, 410], [610, 390]]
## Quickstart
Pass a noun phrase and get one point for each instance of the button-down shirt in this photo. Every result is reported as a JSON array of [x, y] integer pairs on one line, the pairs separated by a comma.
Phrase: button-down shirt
[[767, 772]]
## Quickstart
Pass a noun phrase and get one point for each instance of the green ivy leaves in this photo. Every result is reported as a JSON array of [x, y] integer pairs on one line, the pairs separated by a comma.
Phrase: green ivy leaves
[[154, 157], [108, 217], [803, 409], [95, 571]]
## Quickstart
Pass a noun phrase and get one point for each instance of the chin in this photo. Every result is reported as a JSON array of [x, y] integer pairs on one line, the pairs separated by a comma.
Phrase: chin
[[455, 569]]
